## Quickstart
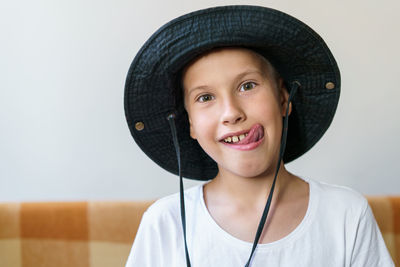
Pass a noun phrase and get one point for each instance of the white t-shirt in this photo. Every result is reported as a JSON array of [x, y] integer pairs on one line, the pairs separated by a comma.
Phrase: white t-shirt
[[338, 230]]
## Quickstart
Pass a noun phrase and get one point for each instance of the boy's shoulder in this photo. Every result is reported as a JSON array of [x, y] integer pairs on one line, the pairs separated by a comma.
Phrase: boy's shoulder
[[169, 206], [338, 197]]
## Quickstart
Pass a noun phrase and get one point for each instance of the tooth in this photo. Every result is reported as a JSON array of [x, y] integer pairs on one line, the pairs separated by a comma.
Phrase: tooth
[[246, 134], [228, 139], [241, 137], [235, 138]]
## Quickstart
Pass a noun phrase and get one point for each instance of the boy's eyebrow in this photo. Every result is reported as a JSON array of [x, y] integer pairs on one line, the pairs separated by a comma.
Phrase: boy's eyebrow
[[201, 87], [243, 74], [247, 72], [236, 79]]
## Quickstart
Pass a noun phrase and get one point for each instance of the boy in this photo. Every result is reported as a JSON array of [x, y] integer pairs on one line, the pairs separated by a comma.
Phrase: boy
[[232, 105]]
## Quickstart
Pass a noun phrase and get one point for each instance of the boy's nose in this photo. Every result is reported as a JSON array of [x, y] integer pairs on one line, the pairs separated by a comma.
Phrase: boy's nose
[[232, 112]]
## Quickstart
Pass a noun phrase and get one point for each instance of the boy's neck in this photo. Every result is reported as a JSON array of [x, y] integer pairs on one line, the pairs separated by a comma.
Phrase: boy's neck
[[249, 191]]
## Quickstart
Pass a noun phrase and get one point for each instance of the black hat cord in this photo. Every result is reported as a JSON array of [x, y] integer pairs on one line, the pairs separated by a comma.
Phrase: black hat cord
[[171, 120], [294, 86]]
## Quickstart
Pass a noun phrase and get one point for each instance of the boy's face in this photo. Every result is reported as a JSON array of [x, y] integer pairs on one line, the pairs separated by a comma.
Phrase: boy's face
[[235, 106]]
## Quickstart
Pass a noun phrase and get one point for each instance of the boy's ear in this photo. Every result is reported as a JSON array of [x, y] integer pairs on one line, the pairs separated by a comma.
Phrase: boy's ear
[[191, 129], [284, 98]]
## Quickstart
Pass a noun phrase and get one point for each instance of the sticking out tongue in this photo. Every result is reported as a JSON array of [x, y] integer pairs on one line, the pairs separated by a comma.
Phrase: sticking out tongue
[[255, 134]]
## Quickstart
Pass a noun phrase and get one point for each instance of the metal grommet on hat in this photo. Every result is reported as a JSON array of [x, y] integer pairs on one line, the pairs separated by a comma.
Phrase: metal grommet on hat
[[296, 51], [139, 126], [329, 85]]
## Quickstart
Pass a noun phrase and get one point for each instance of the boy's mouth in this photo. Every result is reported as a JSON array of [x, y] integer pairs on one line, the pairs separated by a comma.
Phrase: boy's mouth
[[253, 135]]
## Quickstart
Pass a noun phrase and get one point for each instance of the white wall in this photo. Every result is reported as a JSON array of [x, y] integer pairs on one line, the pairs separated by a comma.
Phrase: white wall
[[63, 64]]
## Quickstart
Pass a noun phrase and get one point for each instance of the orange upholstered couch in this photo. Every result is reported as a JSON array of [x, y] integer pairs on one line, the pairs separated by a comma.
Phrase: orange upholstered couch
[[97, 234]]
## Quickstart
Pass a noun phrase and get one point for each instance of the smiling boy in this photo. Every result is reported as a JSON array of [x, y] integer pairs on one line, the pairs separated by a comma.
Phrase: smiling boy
[[210, 97], [230, 93]]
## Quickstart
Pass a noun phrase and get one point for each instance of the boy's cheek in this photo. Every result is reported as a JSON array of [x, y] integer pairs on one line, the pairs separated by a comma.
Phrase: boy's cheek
[[192, 134]]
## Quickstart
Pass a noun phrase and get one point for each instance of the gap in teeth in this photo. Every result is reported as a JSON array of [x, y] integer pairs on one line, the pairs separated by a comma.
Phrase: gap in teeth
[[235, 139]]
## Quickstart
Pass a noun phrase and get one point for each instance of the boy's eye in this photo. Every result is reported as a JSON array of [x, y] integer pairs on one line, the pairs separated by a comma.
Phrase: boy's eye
[[247, 86], [204, 98]]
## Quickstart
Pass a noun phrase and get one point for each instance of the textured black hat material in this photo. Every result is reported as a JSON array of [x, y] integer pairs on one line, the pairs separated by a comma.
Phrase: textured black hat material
[[153, 84]]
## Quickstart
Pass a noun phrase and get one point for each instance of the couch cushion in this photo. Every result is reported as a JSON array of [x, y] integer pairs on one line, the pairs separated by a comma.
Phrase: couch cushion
[[100, 234]]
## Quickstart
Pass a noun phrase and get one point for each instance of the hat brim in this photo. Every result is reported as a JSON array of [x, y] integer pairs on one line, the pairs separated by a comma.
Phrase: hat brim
[[153, 81]]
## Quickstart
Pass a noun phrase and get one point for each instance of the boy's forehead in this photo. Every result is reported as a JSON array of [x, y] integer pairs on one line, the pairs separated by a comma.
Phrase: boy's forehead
[[223, 51], [239, 54]]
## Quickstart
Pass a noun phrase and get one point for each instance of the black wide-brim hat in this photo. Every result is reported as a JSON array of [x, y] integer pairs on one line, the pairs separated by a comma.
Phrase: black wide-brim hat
[[153, 85]]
